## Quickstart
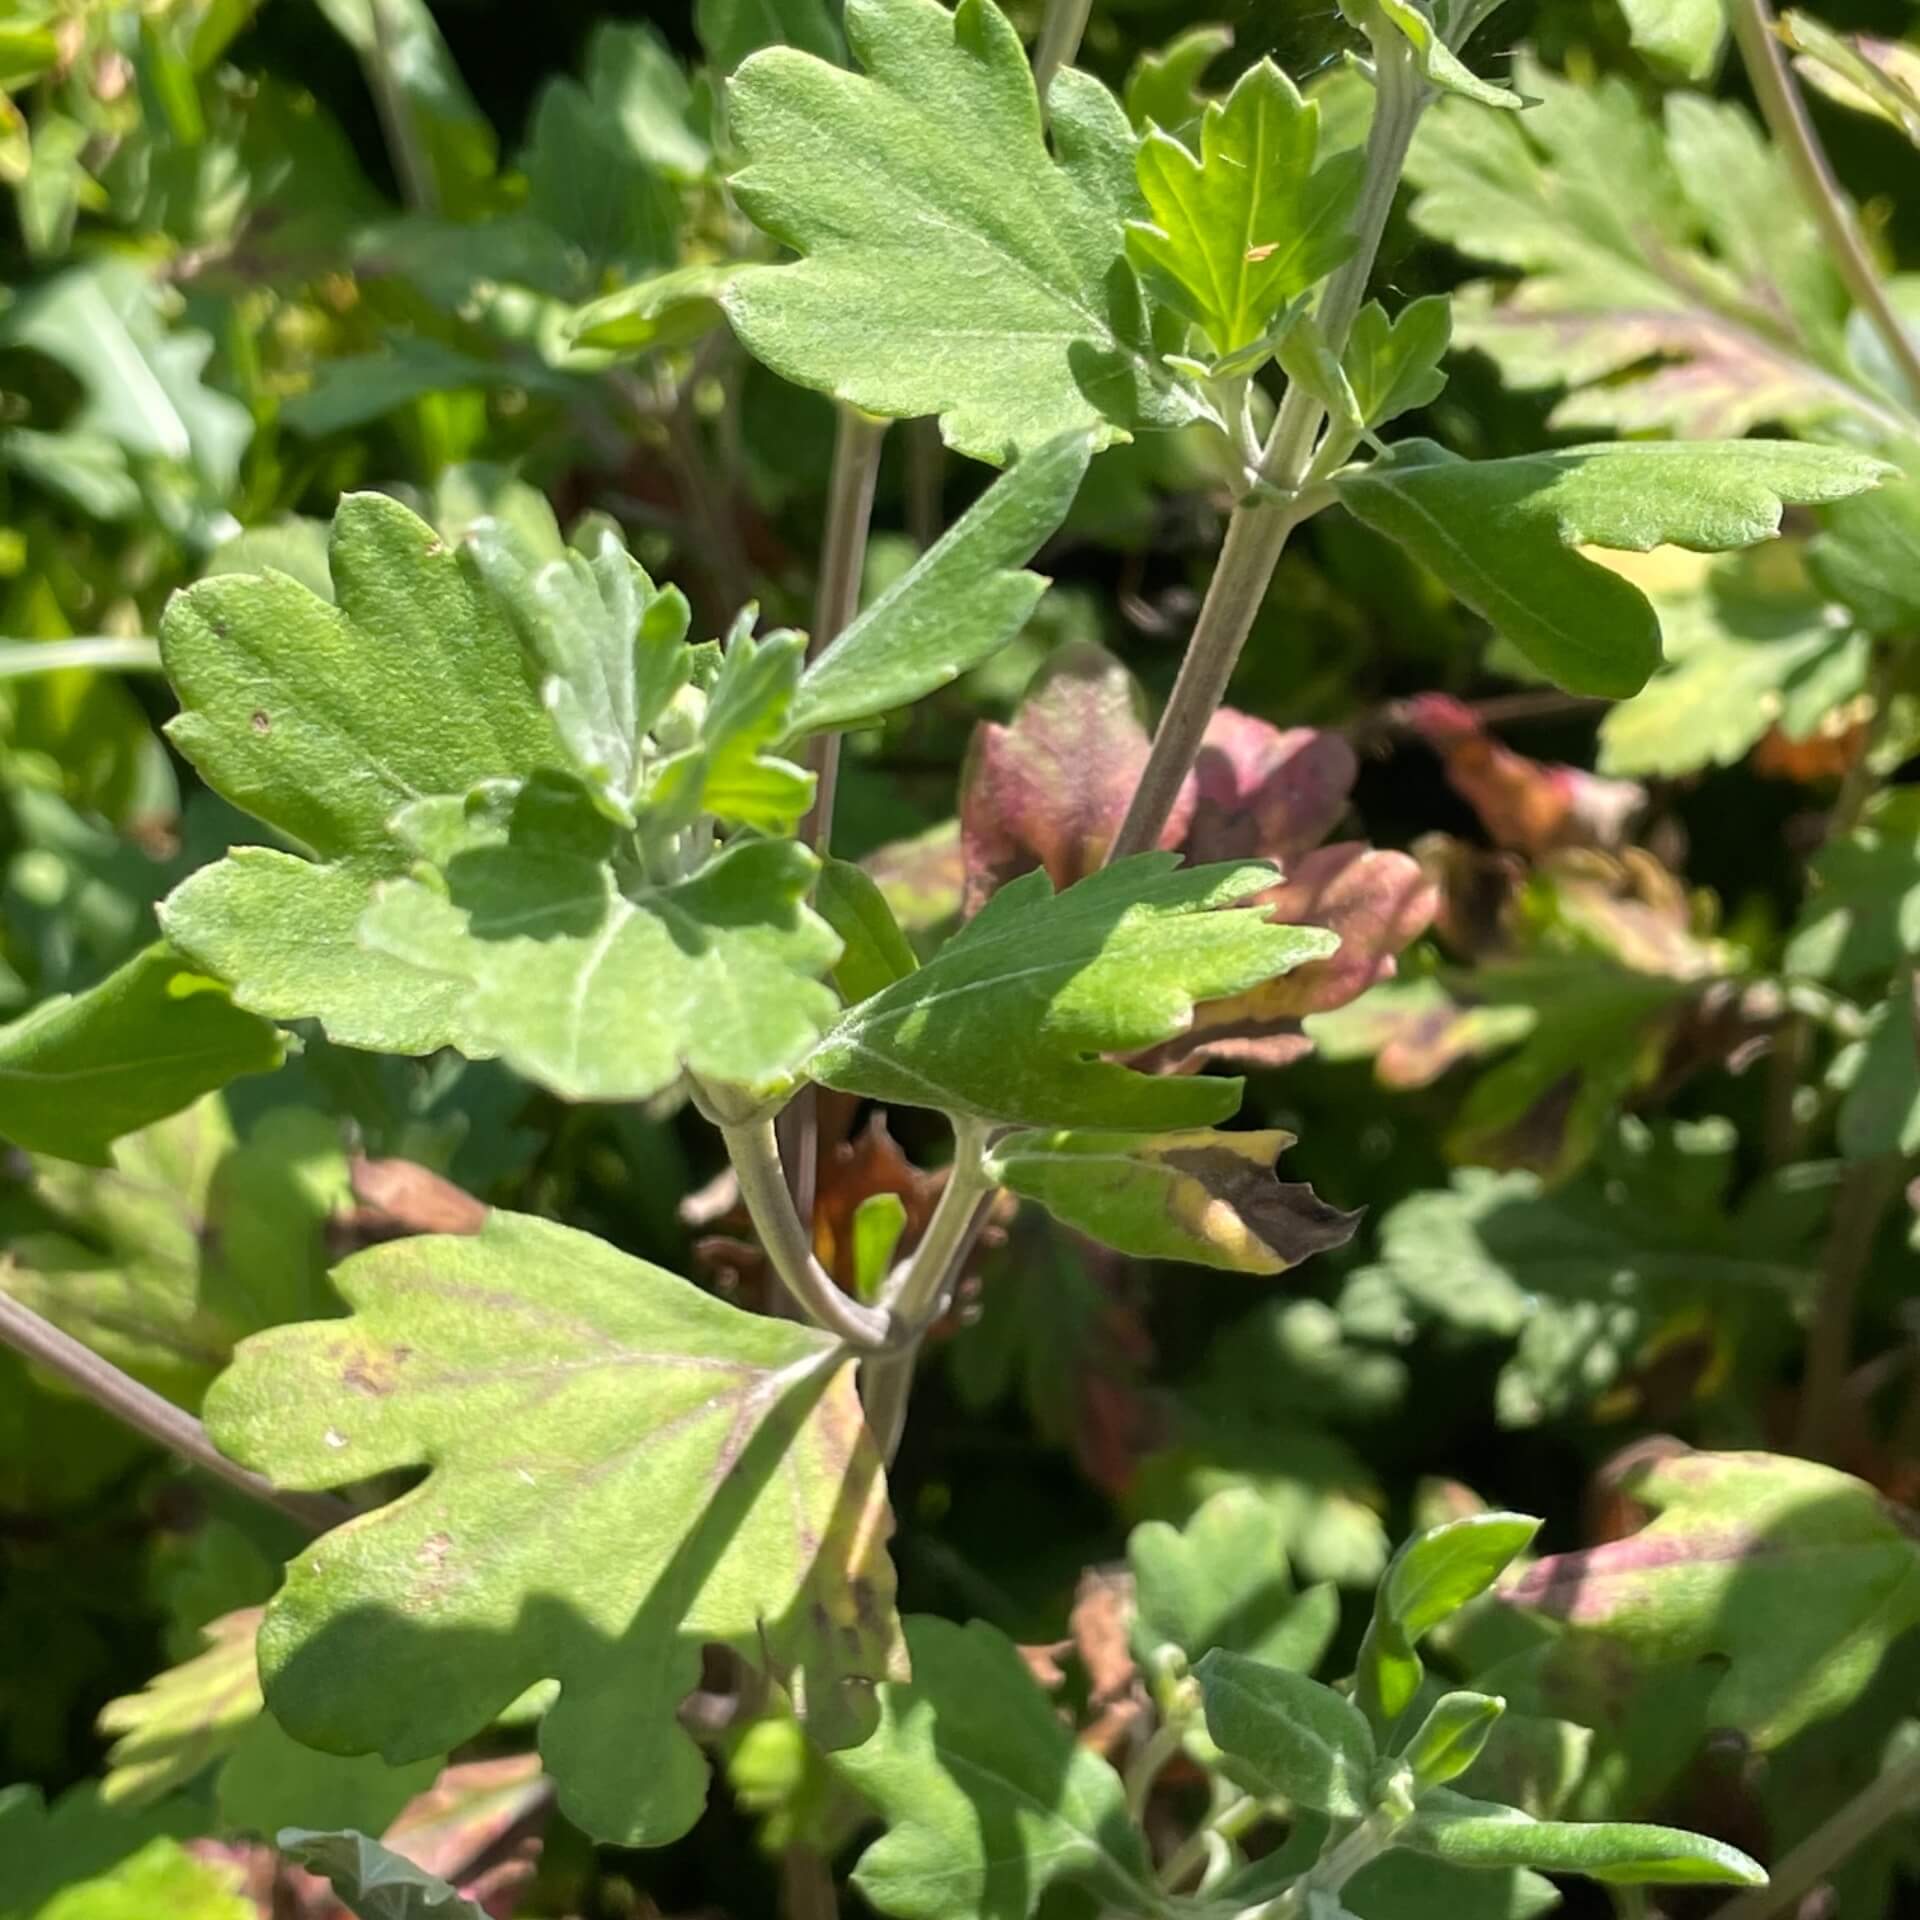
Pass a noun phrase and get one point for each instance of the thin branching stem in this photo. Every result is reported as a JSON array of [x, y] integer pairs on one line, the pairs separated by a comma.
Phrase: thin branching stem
[[412, 168], [1785, 113], [1895, 1792], [160, 1421], [755, 1153], [1264, 520], [1060, 33], [1866, 1191], [921, 1285]]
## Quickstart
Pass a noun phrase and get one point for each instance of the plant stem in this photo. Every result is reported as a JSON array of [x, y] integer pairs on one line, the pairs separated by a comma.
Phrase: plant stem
[[418, 188], [1364, 1845], [856, 467], [103, 653], [1785, 113], [1060, 35], [1866, 1191], [843, 555], [1260, 527], [755, 1153], [1237, 1817], [914, 1298], [1144, 1768], [140, 1408], [1829, 1844]]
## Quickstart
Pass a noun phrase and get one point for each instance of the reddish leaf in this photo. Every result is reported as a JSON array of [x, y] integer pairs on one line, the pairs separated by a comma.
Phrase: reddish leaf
[[1377, 902], [1528, 805], [1261, 793], [1051, 789]]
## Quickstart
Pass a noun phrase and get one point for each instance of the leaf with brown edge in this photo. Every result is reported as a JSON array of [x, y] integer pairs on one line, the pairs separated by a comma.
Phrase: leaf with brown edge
[[1051, 790], [1266, 792], [1377, 902], [623, 1470], [1795, 1575], [1201, 1196]]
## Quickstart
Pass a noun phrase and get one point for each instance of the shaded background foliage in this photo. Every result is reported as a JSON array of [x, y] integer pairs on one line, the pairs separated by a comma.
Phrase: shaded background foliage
[[1076, 1393]]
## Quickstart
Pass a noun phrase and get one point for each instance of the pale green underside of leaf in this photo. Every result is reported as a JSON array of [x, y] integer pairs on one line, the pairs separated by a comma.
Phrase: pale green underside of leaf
[[373, 1881], [282, 929], [1005, 1022], [602, 994], [950, 264], [78, 1072], [955, 607], [988, 1799], [325, 721], [622, 1470], [1501, 534]]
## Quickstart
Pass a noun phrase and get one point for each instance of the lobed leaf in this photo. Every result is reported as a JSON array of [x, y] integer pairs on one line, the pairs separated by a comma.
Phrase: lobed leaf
[[988, 1800], [622, 1470], [325, 721], [1254, 220], [1798, 1577], [1502, 534], [1223, 1580], [599, 989], [950, 264], [1008, 1020], [1205, 1197]]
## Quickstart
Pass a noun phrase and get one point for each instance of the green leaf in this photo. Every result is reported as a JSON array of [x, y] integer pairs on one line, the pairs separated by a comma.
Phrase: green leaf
[[1163, 88], [607, 644], [1741, 659], [324, 722], [1684, 36], [1223, 1581], [1253, 222], [1302, 1739], [1393, 365], [1879, 1077], [1863, 914], [878, 1222], [665, 310], [988, 1799], [1501, 534], [79, 1838], [1475, 1833], [189, 1241], [144, 390], [1796, 1576], [162, 1878], [1663, 272], [374, 1882], [1584, 1275], [951, 265], [81, 1070], [1452, 1737], [1869, 75], [1006, 1021], [1432, 1577], [602, 988], [1438, 62], [1205, 1197], [874, 952], [454, 141], [955, 607], [729, 30], [622, 1470], [1867, 556]]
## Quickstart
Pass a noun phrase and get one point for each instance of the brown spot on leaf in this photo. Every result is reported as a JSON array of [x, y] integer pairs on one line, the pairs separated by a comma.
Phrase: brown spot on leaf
[[260, 723]]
